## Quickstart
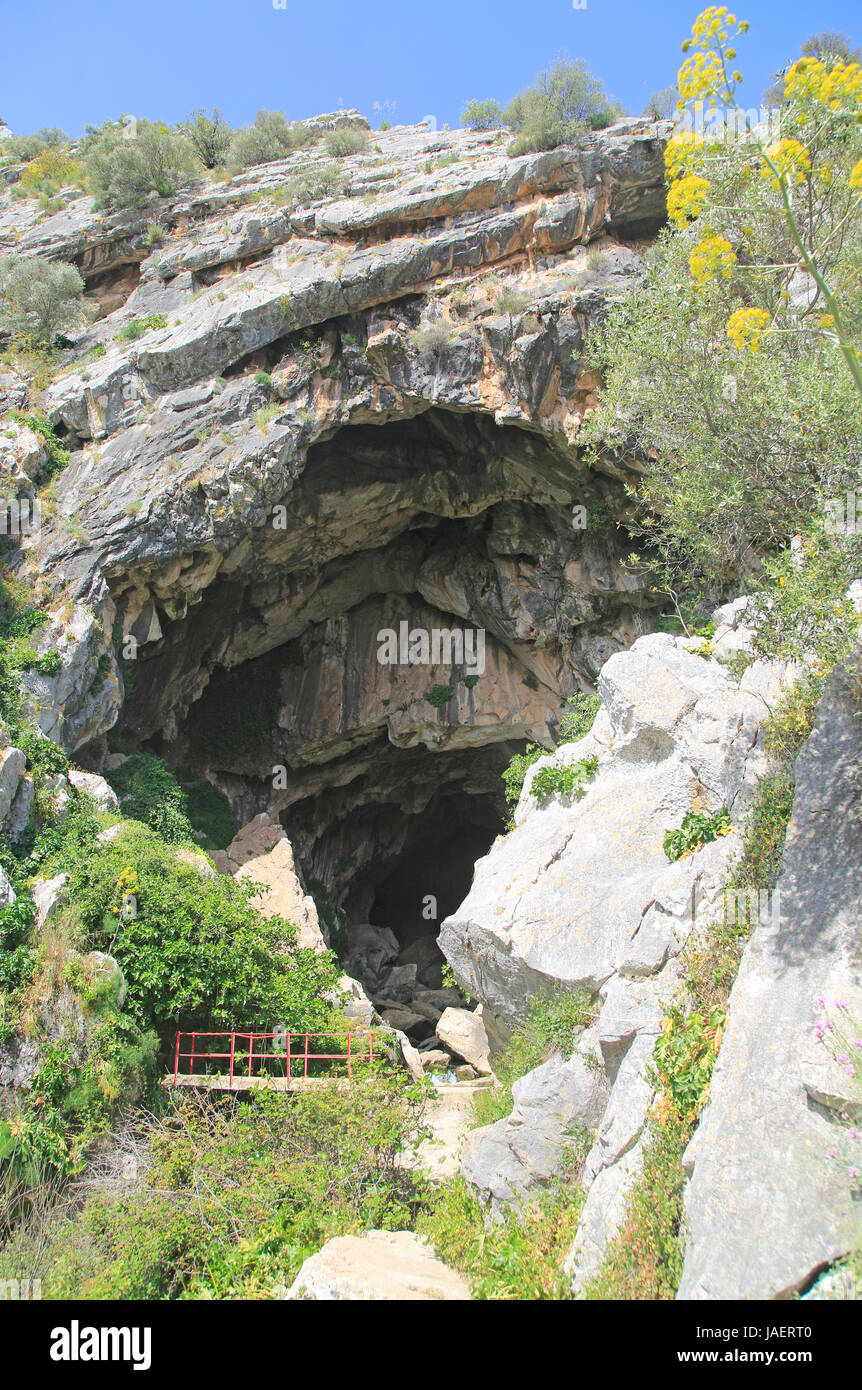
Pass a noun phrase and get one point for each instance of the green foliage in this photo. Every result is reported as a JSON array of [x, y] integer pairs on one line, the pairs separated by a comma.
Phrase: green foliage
[[519, 1257], [271, 137], [38, 298], [439, 695], [644, 1260], [209, 136], [210, 813], [129, 171], [482, 115], [27, 147], [320, 181], [346, 140], [551, 1025], [242, 1193], [698, 828], [196, 954], [578, 717], [568, 782], [685, 1055], [560, 106], [136, 328], [149, 792], [514, 774]]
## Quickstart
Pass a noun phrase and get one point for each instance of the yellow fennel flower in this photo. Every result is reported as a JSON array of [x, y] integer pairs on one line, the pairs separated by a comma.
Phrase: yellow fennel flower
[[687, 199], [791, 159], [712, 258], [745, 328], [678, 151], [856, 176]]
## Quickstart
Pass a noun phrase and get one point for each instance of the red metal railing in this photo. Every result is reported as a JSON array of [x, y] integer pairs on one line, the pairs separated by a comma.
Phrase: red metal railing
[[241, 1048]]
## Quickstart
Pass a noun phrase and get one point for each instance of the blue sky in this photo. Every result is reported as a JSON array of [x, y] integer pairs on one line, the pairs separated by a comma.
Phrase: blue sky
[[85, 60]]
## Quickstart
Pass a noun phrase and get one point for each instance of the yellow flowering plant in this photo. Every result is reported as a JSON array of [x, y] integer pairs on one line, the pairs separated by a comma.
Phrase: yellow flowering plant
[[819, 200]]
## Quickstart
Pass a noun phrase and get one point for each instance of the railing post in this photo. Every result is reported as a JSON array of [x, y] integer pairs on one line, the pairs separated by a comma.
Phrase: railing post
[[305, 1068], [177, 1058], [232, 1048], [192, 1056], [370, 1052], [288, 1061], [349, 1035], [250, 1051]]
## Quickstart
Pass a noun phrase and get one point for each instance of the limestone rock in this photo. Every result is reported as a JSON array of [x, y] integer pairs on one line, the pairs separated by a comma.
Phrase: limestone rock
[[558, 1103], [47, 893], [261, 853], [379, 1265], [12, 767], [464, 1033], [95, 787], [766, 1206]]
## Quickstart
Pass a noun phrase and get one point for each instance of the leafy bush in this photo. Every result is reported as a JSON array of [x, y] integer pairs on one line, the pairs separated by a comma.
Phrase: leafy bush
[[209, 136], [698, 828], [195, 954], [557, 108], [28, 147], [38, 298], [482, 115], [514, 774], [242, 1193], [271, 137], [49, 172], [149, 792], [439, 695], [578, 717], [567, 782], [136, 328], [129, 172], [346, 140]]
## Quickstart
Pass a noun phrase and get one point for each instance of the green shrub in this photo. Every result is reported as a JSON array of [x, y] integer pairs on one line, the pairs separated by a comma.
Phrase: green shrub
[[128, 172], [698, 828], [28, 147], [578, 717], [38, 298], [514, 774], [209, 137], [482, 115], [136, 328], [557, 108], [440, 695], [346, 140], [196, 954], [241, 1194], [321, 181], [566, 782], [271, 137], [149, 792]]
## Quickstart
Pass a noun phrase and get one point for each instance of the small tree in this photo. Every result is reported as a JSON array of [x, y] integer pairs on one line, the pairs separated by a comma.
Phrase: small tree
[[38, 298], [28, 147], [482, 115], [210, 136], [128, 167], [662, 105], [563, 103], [270, 137], [348, 139]]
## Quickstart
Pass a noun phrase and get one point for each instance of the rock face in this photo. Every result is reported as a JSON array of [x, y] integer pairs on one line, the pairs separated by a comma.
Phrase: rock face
[[553, 1108], [380, 1265], [359, 414], [261, 853], [766, 1206], [464, 1033], [581, 895]]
